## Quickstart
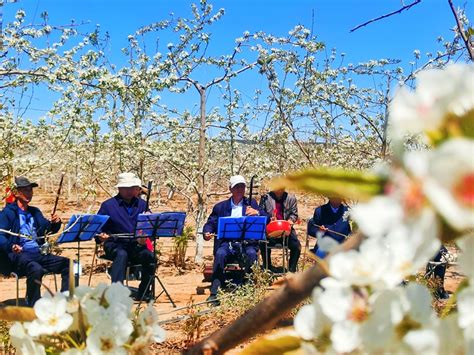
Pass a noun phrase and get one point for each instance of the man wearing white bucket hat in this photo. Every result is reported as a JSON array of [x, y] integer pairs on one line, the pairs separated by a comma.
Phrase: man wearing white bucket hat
[[123, 210]]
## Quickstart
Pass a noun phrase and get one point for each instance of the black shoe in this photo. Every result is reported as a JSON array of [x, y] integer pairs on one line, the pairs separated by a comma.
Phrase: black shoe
[[147, 297], [441, 294], [213, 301]]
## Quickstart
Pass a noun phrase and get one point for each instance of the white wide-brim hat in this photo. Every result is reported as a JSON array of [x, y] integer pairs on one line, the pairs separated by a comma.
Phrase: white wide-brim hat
[[128, 180]]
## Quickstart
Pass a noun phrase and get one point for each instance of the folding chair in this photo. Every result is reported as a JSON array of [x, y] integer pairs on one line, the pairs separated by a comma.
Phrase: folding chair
[[283, 246], [99, 254], [6, 269]]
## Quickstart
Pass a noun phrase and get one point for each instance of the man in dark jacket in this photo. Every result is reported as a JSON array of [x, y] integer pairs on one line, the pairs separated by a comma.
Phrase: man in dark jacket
[[282, 206], [24, 252], [236, 206], [329, 218], [123, 210]]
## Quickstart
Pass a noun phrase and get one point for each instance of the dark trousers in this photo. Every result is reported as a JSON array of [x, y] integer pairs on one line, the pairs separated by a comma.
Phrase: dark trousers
[[439, 270], [224, 253], [34, 266], [295, 250], [121, 253]]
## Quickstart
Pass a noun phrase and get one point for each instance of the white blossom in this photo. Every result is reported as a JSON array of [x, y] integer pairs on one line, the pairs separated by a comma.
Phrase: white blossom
[[438, 93], [52, 316]]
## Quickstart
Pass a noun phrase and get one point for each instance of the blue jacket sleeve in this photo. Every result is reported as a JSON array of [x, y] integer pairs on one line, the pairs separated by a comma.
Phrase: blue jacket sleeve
[[5, 224], [106, 228], [44, 225], [261, 210], [317, 216], [211, 224]]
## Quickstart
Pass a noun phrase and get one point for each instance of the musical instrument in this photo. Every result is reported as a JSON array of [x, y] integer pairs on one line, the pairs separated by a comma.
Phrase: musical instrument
[[148, 195], [58, 194], [45, 248], [122, 235], [278, 228]]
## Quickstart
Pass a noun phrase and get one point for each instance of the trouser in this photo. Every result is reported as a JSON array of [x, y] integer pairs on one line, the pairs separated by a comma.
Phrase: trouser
[[34, 266], [227, 250], [439, 270], [123, 253], [295, 250]]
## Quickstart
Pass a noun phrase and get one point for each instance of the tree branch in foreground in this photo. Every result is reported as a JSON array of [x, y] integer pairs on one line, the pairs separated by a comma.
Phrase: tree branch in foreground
[[266, 314]]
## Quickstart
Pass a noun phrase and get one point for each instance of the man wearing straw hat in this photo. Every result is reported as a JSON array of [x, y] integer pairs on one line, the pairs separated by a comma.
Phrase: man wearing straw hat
[[123, 210], [20, 219]]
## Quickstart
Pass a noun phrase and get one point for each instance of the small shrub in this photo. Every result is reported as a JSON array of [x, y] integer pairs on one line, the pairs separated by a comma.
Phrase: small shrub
[[180, 245]]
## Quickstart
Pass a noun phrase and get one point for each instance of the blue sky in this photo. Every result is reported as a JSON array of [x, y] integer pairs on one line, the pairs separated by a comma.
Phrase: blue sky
[[395, 37]]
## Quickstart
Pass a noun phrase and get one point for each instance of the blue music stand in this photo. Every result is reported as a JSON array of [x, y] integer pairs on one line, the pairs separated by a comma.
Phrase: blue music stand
[[82, 228], [242, 228], [155, 226]]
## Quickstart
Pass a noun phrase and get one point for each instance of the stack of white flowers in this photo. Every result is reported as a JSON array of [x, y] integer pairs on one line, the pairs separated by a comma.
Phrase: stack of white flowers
[[94, 321], [363, 306]]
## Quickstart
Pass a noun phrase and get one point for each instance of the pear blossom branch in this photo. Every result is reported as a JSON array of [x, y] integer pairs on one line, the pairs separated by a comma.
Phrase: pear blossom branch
[[461, 31]]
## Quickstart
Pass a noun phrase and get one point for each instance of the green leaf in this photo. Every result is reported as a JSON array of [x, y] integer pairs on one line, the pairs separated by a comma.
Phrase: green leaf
[[334, 182], [281, 342]]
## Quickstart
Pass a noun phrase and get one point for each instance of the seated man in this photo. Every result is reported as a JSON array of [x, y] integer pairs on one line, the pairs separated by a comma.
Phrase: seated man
[[329, 218], [438, 272], [282, 206], [236, 206], [24, 253], [123, 210]]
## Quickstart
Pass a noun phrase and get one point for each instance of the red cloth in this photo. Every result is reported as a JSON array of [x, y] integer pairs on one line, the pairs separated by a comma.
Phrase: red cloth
[[9, 197], [279, 210], [149, 245]]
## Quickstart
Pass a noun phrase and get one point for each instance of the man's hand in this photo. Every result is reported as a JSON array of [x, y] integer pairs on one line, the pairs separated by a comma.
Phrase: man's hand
[[249, 211], [208, 236], [17, 249], [141, 241], [103, 237], [323, 228], [55, 218]]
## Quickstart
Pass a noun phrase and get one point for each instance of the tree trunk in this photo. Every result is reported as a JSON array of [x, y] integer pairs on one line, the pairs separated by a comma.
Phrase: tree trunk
[[202, 198]]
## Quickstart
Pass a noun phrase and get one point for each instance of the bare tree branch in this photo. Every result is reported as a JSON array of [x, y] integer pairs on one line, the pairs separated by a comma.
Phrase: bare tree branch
[[406, 7]]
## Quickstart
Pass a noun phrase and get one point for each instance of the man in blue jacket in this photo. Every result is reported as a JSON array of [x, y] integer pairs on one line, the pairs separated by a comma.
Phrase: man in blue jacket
[[329, 218], [24, 253], [236, 206], [123, 210]]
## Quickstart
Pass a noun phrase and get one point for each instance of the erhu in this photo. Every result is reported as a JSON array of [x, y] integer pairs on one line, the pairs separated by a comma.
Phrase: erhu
[[45, 248]]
